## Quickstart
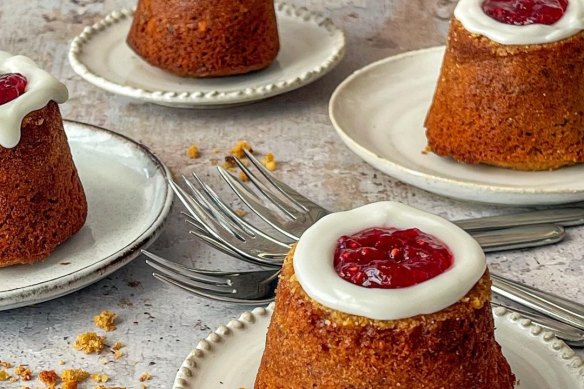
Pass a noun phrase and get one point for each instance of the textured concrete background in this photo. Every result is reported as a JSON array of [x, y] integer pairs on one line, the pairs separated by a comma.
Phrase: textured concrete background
[[161, 325]]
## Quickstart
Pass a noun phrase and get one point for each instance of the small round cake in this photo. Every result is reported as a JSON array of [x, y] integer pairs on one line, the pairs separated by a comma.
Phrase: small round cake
[[200, 38], [511, 87], [42, 202], [383, 296]]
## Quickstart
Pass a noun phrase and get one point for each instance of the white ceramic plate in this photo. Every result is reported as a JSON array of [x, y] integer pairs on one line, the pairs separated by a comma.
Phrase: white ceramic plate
[[128, 200], [310, 46], [379, 113], [230, 356]]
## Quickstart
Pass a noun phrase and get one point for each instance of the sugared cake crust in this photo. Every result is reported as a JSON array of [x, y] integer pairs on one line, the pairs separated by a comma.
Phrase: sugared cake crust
[[42, 202], [311, 346], [515, 106], [201, 38]]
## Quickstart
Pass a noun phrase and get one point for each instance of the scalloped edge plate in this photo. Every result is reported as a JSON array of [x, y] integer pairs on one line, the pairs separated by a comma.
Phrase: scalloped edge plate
[[230, 356], [379, 112], [128, 200], [311, 46]]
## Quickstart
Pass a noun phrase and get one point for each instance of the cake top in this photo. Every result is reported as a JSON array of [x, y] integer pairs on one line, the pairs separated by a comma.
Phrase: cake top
[[522, 22], [315, 269], [30, 88]]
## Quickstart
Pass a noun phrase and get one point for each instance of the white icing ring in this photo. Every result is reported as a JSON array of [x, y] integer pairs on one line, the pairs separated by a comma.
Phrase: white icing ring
[[313, 264], [470, 13], [41, 88]]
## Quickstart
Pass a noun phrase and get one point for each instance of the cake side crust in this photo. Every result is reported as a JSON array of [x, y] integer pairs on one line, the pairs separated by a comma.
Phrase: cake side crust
[[518, 107], [42, 202], [309, 345]]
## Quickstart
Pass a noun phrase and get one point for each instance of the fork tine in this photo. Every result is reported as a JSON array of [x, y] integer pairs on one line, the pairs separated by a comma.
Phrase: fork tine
[[235, 217], [255, 204], [212, 296], [224, 289], [157, 262], [263, 189], [221, 219], [296, 198]]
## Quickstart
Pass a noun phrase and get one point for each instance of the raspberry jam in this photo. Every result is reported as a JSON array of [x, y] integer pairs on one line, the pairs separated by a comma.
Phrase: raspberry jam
[[389, 258], [12, 85], [523, 12]]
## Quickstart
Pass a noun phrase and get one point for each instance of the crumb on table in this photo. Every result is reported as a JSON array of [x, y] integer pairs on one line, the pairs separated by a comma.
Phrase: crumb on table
[[240, 212], [269, 161], [69, 385], [89, 342], [49, 378], [193, 151], [116, 349], [78, 375], [6, 365], [23, 372], [145, 377], [98, 377], [106, 320], [4, 376], [237, 150]]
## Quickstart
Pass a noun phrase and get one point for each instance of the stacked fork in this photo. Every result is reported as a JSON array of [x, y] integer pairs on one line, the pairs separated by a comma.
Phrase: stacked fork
[[214, 222]]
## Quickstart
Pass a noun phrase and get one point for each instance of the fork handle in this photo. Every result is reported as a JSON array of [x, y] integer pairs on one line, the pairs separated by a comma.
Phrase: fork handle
[[562, 216], [569, 334], [549, 304], [519, 237]]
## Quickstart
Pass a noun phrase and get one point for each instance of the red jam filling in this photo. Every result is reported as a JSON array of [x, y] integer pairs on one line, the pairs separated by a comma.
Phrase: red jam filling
[[523, 12], [12, 85], [389, 258]]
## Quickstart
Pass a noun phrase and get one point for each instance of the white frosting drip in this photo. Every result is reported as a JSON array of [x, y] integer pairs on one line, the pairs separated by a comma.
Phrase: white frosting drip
[[475, 20], [314, 268], [40, 89]]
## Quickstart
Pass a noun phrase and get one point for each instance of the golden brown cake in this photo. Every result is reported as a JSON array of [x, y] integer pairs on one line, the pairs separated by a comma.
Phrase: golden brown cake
[[518, 106], [310, 345], [42, 202], [199, 38]]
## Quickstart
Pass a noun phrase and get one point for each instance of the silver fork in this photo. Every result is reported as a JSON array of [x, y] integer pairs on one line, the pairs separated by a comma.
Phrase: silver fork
[[548, 304], [219, 226], [255, 287], [258, 288]]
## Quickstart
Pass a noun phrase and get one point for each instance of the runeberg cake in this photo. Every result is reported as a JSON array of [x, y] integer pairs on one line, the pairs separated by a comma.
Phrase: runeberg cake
[[42, 202], [382, 297], [511, 87], [202, 38]]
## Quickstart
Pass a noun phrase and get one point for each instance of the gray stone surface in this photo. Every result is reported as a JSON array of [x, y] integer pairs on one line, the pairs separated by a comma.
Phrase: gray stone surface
[[160, 325]]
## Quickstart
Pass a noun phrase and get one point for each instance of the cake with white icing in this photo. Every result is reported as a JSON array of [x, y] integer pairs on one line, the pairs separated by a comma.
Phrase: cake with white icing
[[383, 296], [511, 87], [42, 202]]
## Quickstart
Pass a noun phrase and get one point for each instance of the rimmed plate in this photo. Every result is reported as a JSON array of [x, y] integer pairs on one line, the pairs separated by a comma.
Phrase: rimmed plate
[[379, 113], [230, 356], [128, 200], [310, 46]]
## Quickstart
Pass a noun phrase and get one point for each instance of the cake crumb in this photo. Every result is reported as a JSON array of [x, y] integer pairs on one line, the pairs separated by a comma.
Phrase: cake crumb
[[240, 212], [145, 377], [116, 349], [243, 177], [229, 163], [78, 375], [6, 365], [49, 378], [89, 342], [69, 385], [98, 377], [4, 376], [61, 362], [23, 372], [193, 151], [106, 320], [237, 150], [269, 162]]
